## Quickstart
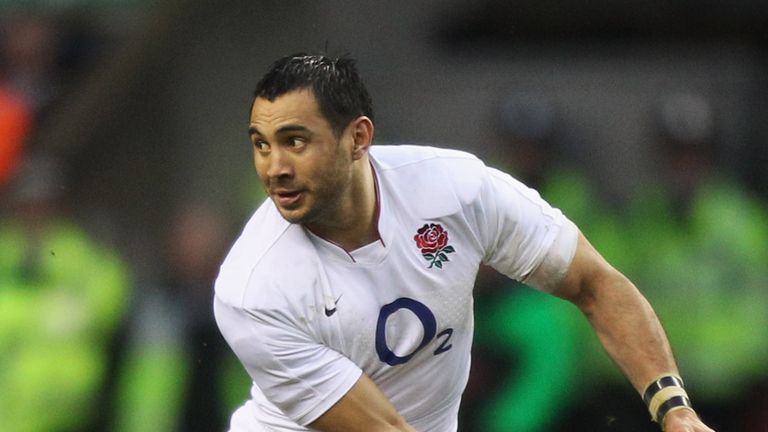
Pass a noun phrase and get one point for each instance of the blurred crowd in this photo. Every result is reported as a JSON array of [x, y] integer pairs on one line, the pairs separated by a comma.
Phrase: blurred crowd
[[694, 240], [86, 343]]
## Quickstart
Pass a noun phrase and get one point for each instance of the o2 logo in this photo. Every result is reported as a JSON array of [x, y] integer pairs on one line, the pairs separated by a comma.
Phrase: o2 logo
[[428, 322]]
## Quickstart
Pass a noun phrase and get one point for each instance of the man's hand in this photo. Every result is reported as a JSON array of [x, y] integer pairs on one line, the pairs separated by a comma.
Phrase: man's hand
[[684, 420]]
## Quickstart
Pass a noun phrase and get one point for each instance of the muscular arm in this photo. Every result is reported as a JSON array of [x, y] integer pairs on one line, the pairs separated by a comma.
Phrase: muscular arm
[[622, 317], [363, 409], [625, 323]]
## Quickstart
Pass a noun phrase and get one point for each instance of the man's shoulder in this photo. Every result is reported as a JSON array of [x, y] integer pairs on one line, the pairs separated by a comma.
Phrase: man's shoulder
[[268, 246], [401, 156], [435, 181]]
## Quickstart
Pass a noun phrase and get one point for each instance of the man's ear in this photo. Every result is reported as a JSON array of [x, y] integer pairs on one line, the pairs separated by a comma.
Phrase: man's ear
[[362, 134]]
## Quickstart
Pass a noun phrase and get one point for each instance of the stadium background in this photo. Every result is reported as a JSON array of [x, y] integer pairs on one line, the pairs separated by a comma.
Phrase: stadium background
[[142, 108]]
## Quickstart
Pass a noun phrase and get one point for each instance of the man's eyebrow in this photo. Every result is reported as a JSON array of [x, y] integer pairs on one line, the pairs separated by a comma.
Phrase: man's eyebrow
[[292, 128], [287, 128]]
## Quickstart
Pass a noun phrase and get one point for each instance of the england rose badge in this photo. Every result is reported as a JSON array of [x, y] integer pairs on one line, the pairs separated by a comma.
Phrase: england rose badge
[[432, 240]]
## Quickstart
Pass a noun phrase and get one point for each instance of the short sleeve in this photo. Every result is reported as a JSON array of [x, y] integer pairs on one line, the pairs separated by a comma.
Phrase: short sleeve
[[525, 238], [298, 374]]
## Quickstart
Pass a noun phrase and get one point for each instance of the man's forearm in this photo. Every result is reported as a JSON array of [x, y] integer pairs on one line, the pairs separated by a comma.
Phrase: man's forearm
[[629, 329], [363, 409], [631, 333]]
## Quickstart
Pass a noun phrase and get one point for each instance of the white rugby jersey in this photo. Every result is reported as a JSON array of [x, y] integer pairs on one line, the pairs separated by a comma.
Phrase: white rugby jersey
[[307, 318]]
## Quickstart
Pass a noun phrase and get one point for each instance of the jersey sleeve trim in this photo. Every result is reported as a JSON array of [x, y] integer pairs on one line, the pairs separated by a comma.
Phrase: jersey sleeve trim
[[345, 385], [526, 238], [556, 262]]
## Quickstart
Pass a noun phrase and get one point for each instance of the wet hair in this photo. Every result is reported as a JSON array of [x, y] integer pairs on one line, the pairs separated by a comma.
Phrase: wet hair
[[335, 83]]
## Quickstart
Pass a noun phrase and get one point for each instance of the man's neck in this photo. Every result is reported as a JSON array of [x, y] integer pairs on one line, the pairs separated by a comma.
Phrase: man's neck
[[356, 223]]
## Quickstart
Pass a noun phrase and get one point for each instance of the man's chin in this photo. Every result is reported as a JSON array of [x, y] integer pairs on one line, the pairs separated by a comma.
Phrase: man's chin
[[296, 216]]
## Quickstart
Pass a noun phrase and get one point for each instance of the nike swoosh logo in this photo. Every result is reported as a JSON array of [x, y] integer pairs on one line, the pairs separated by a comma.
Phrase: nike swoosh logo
[[330, 312]]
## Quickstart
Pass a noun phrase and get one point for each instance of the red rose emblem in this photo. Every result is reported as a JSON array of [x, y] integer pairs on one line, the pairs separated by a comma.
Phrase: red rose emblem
[[432, 240]]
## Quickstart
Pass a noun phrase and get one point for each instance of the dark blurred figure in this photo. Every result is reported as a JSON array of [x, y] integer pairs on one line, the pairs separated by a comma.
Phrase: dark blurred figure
[[687, 134], [62, 297], [42, 54], [198, 242], [755, 410], [177, 373], [537, 147], [516, 381], [528, 125], [29, 51]]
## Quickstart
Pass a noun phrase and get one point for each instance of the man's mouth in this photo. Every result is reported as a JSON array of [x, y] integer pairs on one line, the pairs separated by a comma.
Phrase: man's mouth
[[287, 198]]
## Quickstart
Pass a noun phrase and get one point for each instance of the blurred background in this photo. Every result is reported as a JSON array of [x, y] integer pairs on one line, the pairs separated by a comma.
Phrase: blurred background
[[125, 173]]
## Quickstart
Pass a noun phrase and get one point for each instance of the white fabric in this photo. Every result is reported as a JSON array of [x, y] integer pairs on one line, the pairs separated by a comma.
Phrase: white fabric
[[307, 318]]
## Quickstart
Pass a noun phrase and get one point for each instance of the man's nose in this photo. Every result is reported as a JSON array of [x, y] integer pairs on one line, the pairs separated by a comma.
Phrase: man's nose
[[280, 164]]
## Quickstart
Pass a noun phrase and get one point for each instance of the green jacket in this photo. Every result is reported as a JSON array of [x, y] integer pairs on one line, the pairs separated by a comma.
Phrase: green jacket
[[61, 299]]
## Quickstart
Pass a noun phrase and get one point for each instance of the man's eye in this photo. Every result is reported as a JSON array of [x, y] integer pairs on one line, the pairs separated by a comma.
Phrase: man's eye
[[297, 142], [261, 146]]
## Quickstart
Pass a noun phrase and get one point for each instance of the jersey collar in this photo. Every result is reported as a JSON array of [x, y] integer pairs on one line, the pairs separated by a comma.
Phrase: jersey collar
[[371, 253]]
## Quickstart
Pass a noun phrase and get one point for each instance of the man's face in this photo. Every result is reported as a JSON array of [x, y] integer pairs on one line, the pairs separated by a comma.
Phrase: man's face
[[305, 168]]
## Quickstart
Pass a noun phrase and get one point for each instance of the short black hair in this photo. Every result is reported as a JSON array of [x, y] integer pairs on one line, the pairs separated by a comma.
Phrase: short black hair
[[335, 82]]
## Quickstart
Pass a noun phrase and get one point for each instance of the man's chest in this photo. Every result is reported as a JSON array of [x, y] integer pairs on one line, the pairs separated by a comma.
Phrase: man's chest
[[411, 303]]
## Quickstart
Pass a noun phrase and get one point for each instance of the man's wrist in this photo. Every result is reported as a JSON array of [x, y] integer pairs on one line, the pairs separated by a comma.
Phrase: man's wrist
[[666, 394]]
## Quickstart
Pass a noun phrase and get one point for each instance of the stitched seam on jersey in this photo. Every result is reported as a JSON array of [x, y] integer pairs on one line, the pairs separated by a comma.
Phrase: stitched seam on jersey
[[258, 261], [317, 393], [279, 362], [482, 226], [536, 260], [434, 155], [429, 159], [469, 208], [358, 372]]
